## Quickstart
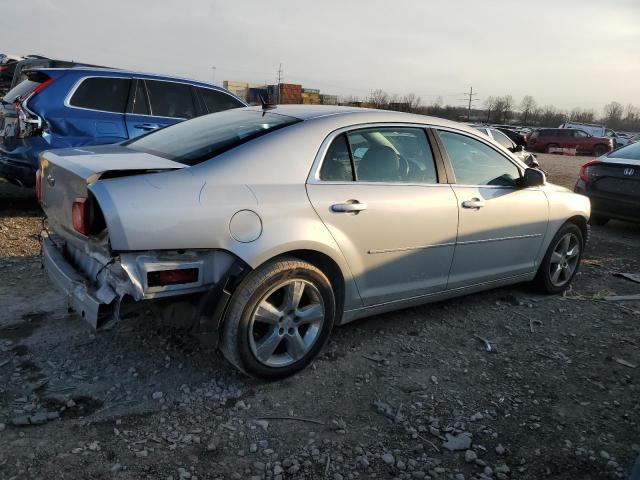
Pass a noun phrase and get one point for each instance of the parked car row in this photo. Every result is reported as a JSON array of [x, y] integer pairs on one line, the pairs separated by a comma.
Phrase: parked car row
[[72, 106]]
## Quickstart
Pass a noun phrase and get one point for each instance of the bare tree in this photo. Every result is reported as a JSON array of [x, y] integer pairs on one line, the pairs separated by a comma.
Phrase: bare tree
[[379, 98], [527, 106], [508, 102], [489, 104], [499, 107], [613, 113], [412, 101], [585, 116], [632, 114], [350, 100]]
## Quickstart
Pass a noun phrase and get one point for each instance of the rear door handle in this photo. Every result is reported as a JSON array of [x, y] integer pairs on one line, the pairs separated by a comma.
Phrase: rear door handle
[[473, 203], [147, 126], [351, 206]]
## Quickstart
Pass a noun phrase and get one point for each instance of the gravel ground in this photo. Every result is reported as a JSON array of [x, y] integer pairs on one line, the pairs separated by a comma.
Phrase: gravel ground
[[410, 394]]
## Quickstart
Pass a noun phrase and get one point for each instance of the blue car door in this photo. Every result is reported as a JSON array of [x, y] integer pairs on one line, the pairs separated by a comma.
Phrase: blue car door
[[155, 104]]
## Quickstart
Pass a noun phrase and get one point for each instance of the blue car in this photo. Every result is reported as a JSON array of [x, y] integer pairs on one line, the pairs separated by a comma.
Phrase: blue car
[[75, 107]]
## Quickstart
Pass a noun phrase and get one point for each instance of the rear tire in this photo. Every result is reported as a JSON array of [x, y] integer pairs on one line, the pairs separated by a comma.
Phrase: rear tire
[[562, 260], [278, 319], [599, 150], [550, 146], [598, 220]]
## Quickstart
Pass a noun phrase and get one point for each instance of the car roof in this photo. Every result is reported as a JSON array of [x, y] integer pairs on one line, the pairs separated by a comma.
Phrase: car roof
[[360, 115], [106, 71]]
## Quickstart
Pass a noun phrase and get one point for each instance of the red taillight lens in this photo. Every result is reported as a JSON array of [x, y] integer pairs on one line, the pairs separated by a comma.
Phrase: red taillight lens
[[81, 216], [41, 87], [39, 185], [161, 278], [587, 173]]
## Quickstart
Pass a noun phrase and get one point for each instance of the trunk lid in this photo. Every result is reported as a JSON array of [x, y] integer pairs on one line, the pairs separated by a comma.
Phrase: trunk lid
[[615, 179], [66, 174]]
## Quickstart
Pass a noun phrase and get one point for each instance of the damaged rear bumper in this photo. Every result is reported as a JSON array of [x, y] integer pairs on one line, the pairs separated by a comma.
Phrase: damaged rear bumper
[[91, 304], [96, 282]]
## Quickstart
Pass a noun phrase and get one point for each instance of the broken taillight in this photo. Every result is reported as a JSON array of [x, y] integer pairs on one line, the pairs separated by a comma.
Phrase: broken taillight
[[29, 124], [81, 215], [161, 278]]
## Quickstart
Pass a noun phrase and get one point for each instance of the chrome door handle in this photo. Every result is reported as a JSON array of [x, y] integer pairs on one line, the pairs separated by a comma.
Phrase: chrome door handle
[[351, 206], [147, 126], [473, 203]]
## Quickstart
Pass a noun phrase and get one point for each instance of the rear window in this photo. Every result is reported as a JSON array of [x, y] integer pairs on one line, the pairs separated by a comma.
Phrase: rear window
[[218, 101], [20, 90], [202, 138], [102, 93], [631, 152]]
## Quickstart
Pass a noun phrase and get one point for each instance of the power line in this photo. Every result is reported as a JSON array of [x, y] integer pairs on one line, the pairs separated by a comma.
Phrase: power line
[[280, 72], [469, 96]]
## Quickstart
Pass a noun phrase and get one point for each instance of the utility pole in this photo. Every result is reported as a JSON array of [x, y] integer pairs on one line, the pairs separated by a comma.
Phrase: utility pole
[[280, 72], [469, 97], [213, 74]]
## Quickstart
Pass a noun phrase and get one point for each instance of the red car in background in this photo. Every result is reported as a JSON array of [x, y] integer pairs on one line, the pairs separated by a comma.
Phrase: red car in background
[[545, 139]]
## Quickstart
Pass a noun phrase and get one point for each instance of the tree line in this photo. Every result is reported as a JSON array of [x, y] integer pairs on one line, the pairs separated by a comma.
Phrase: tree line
[[504, 109]]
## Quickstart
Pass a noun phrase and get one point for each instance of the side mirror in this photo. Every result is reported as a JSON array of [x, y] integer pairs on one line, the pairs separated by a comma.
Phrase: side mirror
[[533, 178]]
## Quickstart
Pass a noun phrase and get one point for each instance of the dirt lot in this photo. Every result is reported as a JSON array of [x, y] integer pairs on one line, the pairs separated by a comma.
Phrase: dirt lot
[[558, 398]]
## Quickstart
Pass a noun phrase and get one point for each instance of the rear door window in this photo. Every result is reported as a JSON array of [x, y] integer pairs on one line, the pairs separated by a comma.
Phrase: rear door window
[[102, 93], [217, 101], [336, 166], [170, 99]]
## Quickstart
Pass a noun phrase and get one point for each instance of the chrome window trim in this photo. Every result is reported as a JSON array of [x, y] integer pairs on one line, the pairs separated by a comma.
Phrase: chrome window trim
[[314, 176], [77, 84]]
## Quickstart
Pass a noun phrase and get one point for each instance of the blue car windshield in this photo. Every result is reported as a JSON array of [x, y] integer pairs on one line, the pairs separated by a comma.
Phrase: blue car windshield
[[200, 139]]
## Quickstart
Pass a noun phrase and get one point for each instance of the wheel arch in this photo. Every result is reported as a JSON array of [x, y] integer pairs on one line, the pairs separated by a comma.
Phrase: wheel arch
[[583, 224], [329, 267]]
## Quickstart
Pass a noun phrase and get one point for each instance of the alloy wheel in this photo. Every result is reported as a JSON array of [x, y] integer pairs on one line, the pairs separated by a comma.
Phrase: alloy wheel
[[564, 259], [286, 323]]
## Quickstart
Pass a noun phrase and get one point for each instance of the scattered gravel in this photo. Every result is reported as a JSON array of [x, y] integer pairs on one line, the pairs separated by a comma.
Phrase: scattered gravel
[[406, 395]]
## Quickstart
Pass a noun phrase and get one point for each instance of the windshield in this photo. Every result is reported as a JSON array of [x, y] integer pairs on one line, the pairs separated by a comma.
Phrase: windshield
[[631, 152], [202, 138]]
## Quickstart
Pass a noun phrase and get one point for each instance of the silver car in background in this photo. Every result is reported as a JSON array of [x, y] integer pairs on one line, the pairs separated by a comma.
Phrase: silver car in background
[[265, 227]]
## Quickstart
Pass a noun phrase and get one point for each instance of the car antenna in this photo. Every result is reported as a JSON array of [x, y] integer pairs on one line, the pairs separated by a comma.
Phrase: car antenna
[[266, 105]]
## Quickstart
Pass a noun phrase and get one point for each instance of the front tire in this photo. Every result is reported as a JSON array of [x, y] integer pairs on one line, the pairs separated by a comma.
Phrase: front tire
[[599, 150], [550, 147], [562, 260], [278, 319]]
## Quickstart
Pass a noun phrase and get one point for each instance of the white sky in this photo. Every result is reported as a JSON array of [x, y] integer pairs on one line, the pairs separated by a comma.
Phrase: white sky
[[569, 53]]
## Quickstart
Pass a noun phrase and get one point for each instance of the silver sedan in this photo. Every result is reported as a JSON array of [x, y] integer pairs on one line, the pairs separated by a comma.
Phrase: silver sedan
[[262, 229]]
